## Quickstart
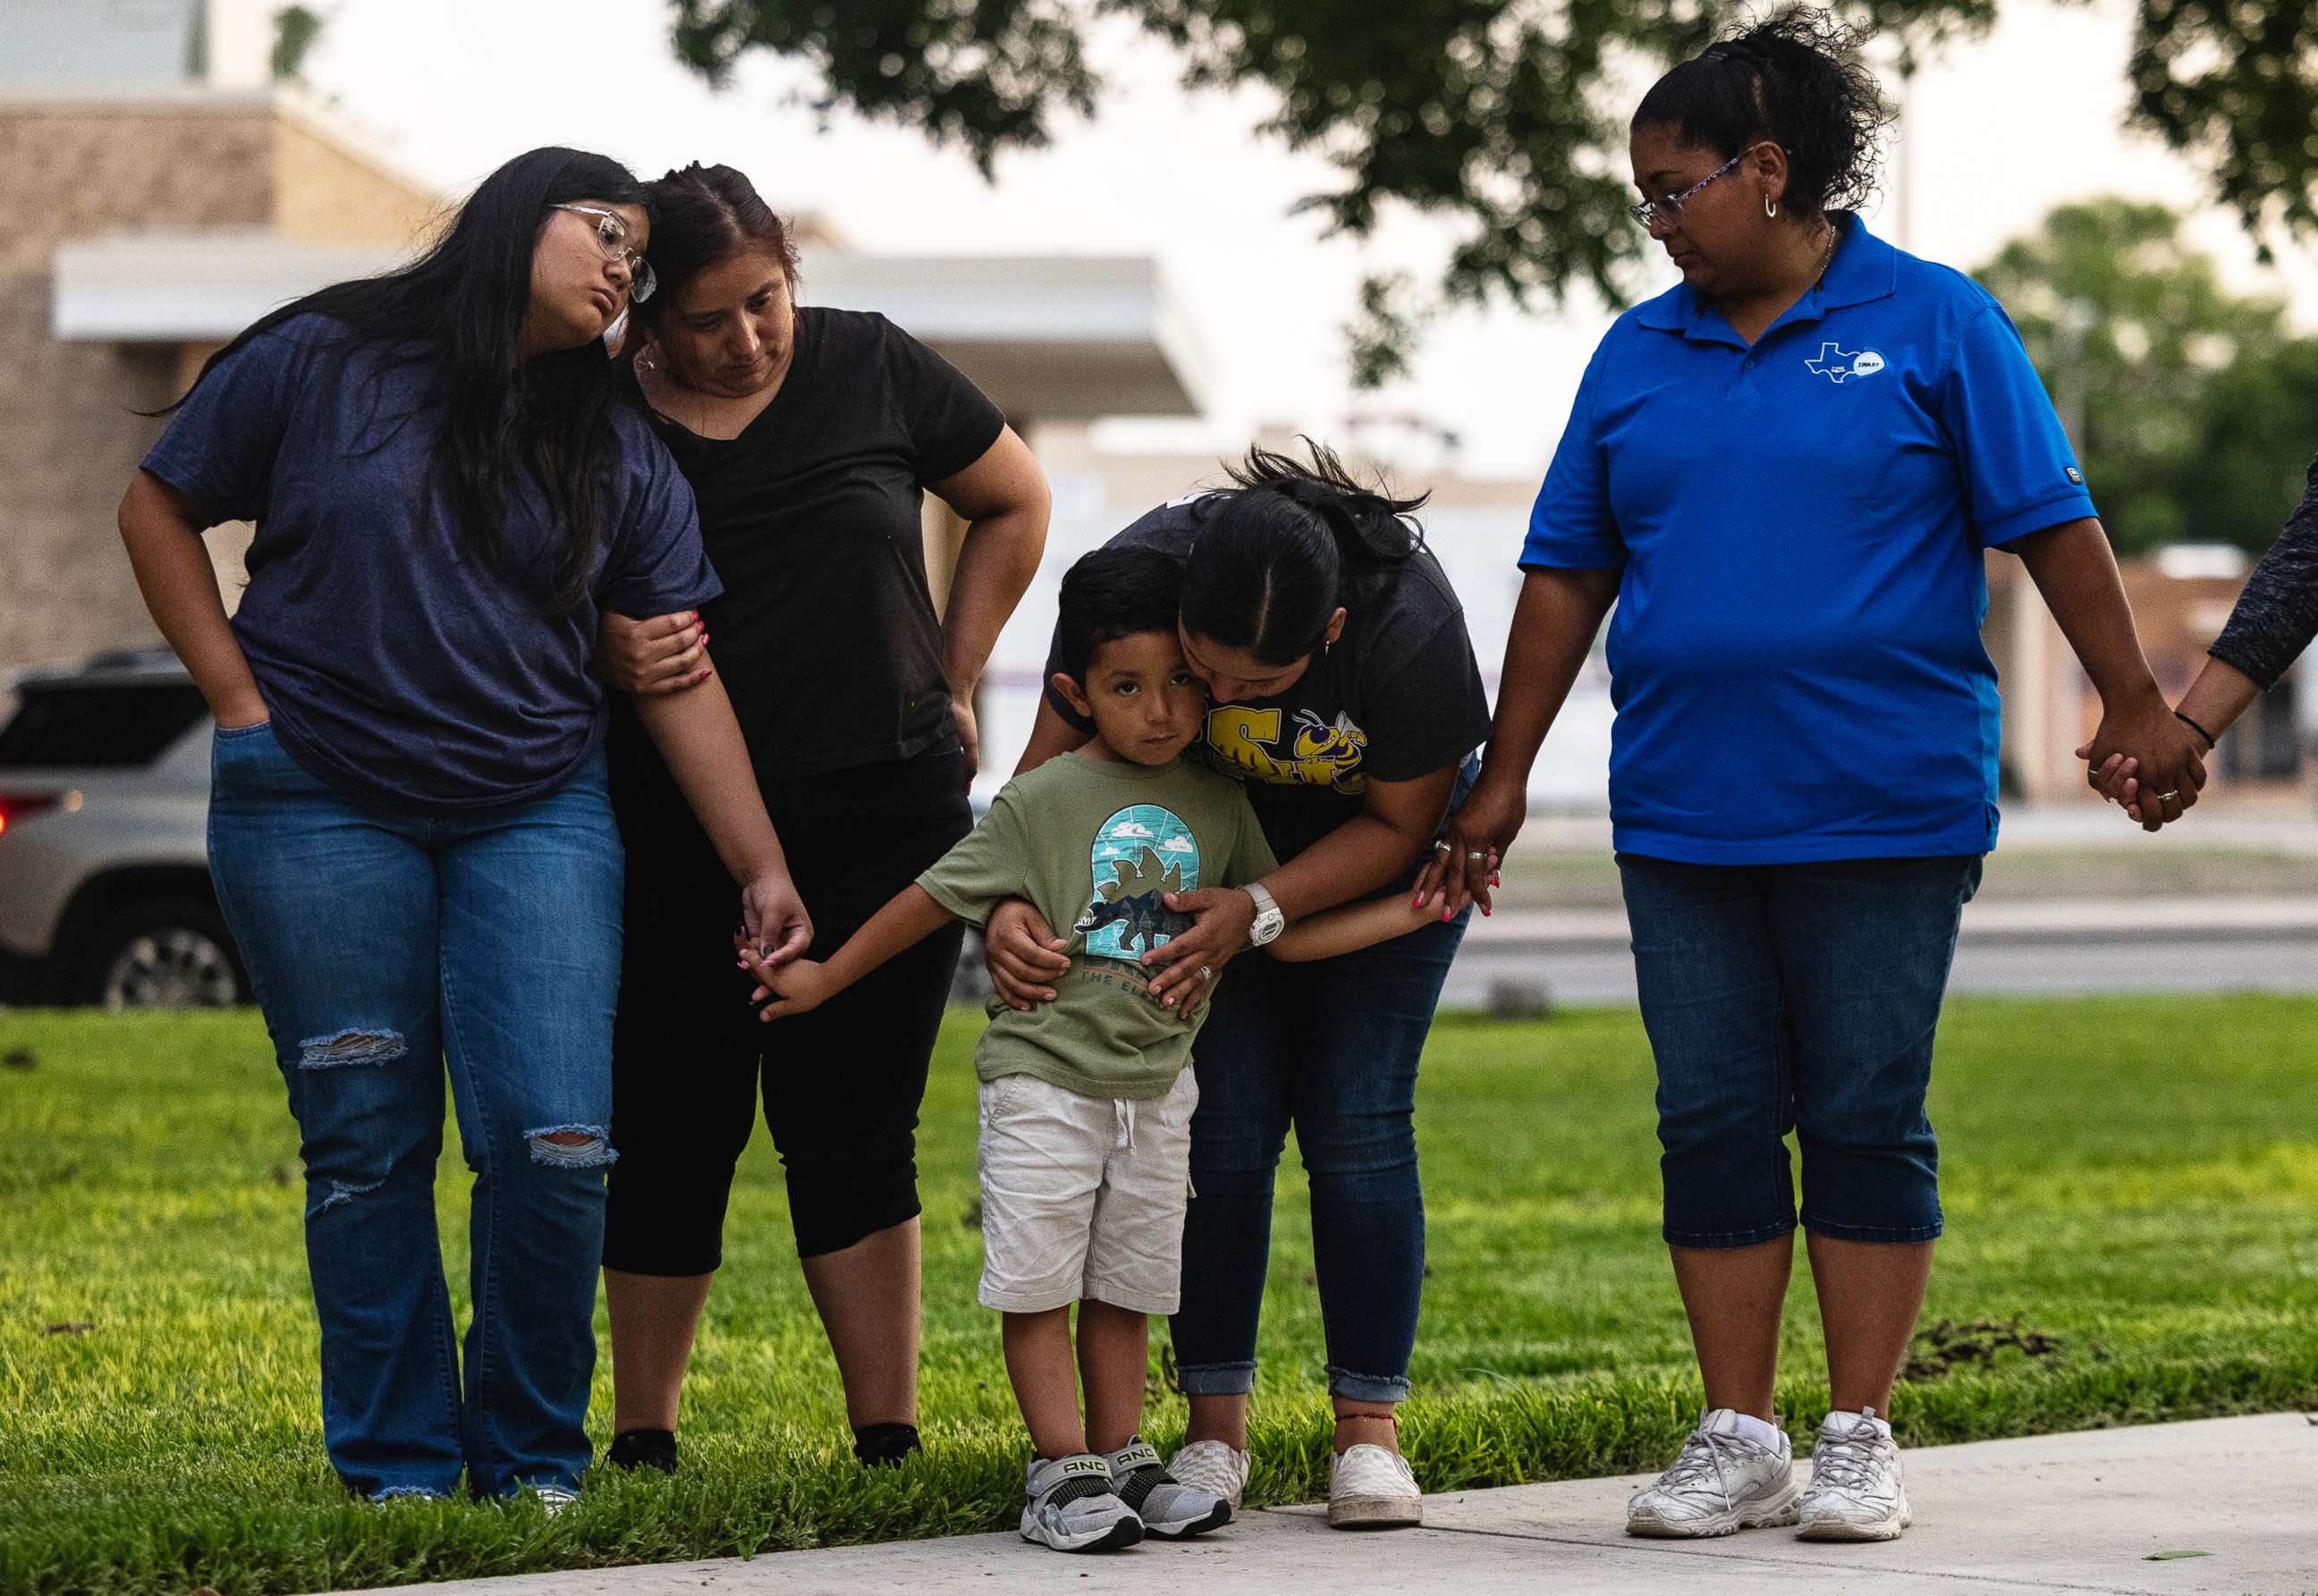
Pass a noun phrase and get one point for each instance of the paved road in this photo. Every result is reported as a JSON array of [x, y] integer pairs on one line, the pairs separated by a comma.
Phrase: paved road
[[2193, 945], [2086, 1512]]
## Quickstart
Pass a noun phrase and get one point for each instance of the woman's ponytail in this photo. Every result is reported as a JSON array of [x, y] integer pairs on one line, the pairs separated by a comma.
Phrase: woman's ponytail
[[1287, 544]]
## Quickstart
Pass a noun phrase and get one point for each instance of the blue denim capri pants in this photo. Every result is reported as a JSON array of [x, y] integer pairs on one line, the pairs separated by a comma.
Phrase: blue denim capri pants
[[1798, 997]]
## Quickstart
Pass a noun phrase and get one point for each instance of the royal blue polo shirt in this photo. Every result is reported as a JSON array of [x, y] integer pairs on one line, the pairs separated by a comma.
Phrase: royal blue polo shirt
[[1795, 656]]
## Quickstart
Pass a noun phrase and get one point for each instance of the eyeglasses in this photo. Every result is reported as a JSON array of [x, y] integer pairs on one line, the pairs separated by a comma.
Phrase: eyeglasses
[[1667, 208], [611, 238]]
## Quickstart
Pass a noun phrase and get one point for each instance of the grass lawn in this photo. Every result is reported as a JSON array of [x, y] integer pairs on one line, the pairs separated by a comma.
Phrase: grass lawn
[[2135, 1179]]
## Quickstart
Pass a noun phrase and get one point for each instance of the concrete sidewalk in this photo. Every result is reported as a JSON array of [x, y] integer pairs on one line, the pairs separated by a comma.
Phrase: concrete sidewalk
[[2075, 1512]]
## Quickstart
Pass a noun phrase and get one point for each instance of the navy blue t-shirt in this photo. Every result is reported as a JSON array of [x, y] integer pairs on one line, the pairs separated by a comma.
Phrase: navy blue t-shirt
[[399, 665], [1799, 526]]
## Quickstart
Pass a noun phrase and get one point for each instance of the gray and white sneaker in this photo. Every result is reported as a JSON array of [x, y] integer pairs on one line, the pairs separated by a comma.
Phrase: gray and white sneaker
[[1071, 1507], [1169, 1508], [1370, 1487], [1216, 1467], [1856, 1493], [1721, 1483]]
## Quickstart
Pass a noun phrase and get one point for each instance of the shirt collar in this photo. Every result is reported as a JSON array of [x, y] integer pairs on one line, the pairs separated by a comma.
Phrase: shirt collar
[[1865, 268]]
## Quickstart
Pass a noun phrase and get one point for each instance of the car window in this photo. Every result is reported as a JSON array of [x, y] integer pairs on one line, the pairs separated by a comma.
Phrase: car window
[[111, 726]]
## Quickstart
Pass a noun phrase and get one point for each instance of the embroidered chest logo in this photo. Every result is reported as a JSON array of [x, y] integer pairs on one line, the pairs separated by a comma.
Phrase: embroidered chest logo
[[1141, 854], [1321, 754], [1835, 363]]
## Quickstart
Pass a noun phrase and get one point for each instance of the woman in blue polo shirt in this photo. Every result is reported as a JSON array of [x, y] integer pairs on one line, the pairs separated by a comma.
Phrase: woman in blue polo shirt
[[1784, 470]]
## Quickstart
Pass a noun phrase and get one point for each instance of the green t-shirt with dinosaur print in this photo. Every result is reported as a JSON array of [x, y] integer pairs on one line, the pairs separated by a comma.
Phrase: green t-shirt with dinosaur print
[[1093, 844]]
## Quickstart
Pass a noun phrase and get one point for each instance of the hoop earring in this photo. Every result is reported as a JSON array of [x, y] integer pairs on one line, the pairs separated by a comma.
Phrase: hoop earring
[[1770, 206]]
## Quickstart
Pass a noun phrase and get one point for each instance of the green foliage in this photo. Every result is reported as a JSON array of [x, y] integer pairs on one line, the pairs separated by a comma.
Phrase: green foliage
[[296, 30], [2198, 411], [2133, 1179], [1506, 119]]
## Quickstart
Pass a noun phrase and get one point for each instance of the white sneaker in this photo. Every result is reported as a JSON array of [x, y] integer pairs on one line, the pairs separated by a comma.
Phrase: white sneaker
[[1721, 1483], [1855, 1491], [1168, 1507], [1370, 1488], [1071, 1506], [1216, 1467], [552, 1499]]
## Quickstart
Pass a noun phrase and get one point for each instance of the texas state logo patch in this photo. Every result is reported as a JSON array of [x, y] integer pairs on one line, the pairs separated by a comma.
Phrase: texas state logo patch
[[1141, 854], [1836, 363]]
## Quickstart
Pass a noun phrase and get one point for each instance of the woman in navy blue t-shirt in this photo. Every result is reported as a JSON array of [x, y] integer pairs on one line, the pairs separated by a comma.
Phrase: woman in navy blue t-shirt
[[1784, 470], [409, 827]]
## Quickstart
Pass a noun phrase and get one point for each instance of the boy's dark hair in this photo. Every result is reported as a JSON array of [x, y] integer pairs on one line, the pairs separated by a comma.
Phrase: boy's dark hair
[[1115, 593]]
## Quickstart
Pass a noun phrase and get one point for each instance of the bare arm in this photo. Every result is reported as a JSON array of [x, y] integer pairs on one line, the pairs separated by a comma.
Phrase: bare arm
[[1394, 826], [1003, 497], [1554, 625], [1350, 928], [2073, 568], [1050, 735], [701, 744], [162, 532], [910, 917]]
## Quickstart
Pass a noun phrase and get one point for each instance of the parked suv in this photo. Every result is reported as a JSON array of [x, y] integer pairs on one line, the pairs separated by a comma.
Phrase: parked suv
[[104, 880]]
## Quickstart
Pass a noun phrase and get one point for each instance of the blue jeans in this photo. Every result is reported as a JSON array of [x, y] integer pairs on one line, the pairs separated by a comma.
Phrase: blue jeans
[[1804, 998], [1331, 1047], [379, 945]]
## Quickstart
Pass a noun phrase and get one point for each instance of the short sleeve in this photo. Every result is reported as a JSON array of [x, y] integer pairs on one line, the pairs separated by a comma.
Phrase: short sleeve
[[2018, 474], [1571, 526], [991, 864], [1426, 709], [948, 423], [1251, 858], [219, 447], [656, 566]]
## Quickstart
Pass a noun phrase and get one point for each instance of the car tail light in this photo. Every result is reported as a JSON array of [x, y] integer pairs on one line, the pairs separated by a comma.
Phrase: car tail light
[[20, 806]]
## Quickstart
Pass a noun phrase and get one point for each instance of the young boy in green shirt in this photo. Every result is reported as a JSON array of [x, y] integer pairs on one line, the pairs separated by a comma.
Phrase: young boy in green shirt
[[1086, 1101]]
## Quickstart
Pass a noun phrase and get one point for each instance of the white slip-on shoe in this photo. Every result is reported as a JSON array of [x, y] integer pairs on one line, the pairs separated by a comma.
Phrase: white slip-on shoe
[[1370, 1488], [1070, 1506], [1855, 1491], [1216, 1467], [1720, 1483], [1169, 1508]]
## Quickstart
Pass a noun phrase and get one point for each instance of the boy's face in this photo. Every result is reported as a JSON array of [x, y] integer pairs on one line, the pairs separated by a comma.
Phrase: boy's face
[[1145, 704]]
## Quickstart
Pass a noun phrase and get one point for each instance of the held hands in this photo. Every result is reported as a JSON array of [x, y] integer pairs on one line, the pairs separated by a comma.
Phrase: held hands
[[774, 926], [2147, 760], [1463, 868], [798, 986], [663, 654]]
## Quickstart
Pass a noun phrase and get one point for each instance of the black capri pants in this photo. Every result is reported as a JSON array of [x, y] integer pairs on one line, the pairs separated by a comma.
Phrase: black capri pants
[[842, 1084]]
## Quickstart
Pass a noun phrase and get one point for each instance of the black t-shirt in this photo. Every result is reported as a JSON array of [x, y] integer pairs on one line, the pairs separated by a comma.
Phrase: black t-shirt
[[826, 637], [1398, 696]]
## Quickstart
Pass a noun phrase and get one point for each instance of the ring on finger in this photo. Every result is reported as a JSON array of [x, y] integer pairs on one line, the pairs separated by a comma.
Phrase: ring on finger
[[1206, 972]]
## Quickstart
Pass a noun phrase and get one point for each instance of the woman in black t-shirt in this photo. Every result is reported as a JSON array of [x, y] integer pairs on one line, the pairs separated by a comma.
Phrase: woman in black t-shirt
[[1346, 696], [808, 437]]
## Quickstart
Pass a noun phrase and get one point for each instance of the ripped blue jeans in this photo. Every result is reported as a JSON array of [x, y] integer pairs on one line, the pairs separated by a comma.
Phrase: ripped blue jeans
[[382, 947]]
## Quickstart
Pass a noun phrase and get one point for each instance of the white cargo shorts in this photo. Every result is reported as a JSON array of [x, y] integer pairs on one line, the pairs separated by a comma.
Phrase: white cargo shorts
[[1082, 1198]]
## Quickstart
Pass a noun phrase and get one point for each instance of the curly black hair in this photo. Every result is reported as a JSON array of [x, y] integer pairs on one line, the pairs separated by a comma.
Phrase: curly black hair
[[1795, 78]]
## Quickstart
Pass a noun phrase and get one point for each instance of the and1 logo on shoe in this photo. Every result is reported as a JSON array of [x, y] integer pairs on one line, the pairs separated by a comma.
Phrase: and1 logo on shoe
[[1086, 1463]]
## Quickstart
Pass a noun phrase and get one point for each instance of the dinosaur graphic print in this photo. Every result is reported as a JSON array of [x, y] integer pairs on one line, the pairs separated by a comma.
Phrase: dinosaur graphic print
[[1140, 854]]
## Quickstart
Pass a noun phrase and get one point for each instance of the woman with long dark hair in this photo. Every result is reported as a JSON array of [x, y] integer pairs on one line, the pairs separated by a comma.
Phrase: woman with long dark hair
[[1785, 470], [812, 437], [1346, 696], [408, 826]]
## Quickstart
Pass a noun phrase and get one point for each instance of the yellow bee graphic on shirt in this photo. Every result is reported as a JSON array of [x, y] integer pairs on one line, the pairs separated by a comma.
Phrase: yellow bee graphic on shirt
[[1323, 753]]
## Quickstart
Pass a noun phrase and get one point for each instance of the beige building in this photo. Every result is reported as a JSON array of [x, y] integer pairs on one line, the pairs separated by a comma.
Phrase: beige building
[[168, 194]]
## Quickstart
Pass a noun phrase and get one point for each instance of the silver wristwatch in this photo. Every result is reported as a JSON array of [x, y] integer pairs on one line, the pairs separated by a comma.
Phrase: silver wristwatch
[[1269, 920]]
